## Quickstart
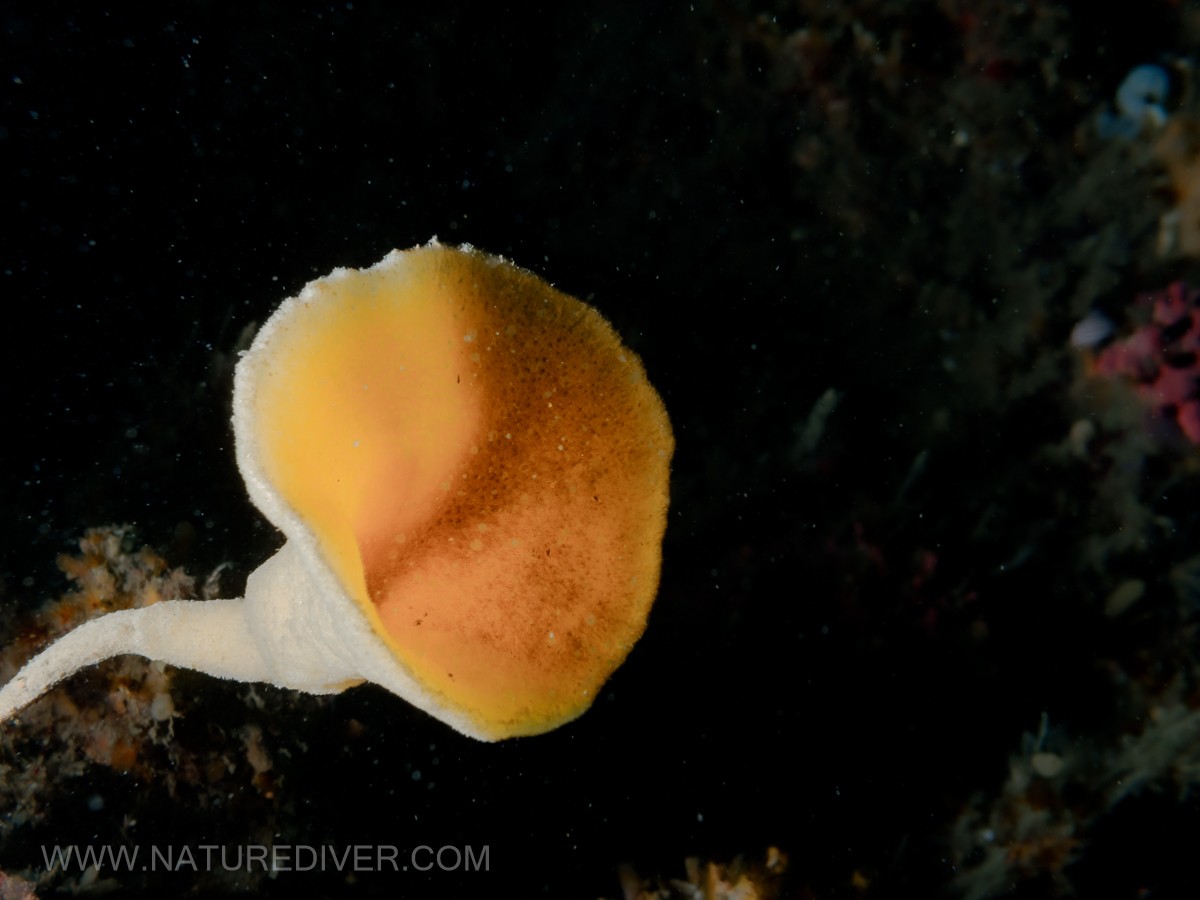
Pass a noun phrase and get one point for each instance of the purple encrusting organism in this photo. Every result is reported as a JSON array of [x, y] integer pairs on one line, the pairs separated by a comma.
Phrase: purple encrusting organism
[[1161, 357]]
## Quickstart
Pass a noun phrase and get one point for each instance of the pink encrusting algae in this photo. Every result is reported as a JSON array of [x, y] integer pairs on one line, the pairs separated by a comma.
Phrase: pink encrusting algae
[[1161, 357]]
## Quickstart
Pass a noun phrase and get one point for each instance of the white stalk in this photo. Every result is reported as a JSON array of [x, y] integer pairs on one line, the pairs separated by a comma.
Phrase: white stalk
[[209, 636]]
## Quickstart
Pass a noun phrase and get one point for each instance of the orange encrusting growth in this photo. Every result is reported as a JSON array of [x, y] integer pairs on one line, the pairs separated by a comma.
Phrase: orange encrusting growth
[[486, 468]]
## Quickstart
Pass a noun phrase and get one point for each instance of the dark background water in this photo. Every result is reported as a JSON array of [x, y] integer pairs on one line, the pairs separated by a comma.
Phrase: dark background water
[[850, 639]]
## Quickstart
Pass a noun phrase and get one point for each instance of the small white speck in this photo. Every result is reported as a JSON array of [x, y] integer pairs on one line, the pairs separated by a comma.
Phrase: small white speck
[[1092, 330]]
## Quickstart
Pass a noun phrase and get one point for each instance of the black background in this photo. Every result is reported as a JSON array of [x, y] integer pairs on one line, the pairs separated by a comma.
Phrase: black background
[[168, 174]]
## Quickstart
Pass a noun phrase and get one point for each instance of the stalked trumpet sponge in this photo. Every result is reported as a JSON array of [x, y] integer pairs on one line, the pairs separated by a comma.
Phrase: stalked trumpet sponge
[[471, 472]]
